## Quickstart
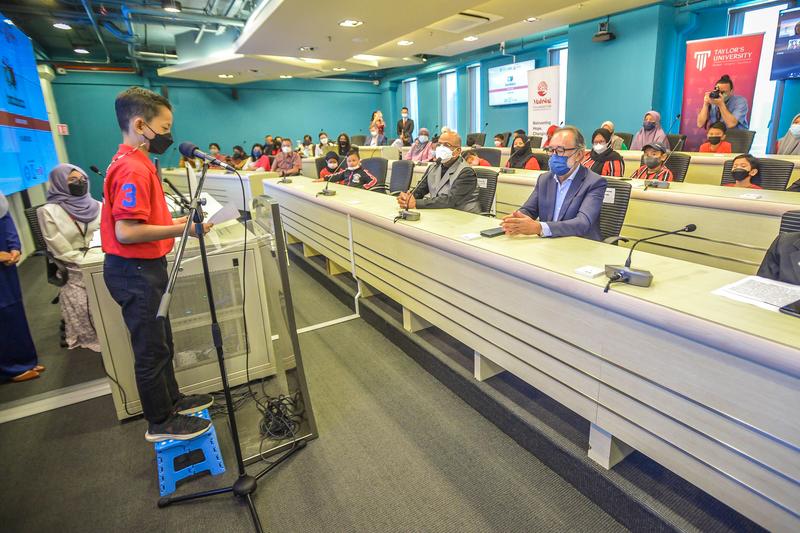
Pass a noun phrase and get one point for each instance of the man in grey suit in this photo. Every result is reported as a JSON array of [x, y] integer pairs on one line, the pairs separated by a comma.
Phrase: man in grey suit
[[782, 261], [567, 198], [405, 127]]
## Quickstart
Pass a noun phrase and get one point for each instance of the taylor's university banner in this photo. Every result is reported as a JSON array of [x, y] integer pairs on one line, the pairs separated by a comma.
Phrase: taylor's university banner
[[542, 99], [707, 60]]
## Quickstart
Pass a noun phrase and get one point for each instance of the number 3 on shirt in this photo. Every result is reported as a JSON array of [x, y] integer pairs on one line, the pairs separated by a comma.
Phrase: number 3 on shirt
[[129, 200]]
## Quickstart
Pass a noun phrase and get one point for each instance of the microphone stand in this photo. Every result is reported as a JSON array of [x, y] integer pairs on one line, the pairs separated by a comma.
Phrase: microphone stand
[[413, 216], [245, 485]]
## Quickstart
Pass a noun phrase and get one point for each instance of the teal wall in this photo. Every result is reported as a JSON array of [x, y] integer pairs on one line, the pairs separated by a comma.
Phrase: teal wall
[[207, 113]]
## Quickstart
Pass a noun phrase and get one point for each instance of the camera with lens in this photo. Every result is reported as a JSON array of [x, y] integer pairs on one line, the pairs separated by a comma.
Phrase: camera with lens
[[715, 93]]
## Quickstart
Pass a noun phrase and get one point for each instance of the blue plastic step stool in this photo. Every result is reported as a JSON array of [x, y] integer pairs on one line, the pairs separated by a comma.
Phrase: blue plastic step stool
[[167, 451]]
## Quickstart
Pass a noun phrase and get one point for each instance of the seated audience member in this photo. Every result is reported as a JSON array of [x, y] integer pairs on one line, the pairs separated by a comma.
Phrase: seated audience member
[[18, 359], [653, 167], [354, 175], [287, 163], [375, 138], [650, 132], [521, 154], [68, 221], [422, 149], [499, 140], [213, 150], [567, 199], [258, 160], [602, 159], [474, 160], [239, 158], [343, 142], [617, 142], [277, 145], [183, 162], [549, 135], [377, 119], [324, 145], [782, 260], [745, 171], [268, 141], [306, 148], [332, 165], [730, 109], [716, 142], [790, 143], [450, 184]]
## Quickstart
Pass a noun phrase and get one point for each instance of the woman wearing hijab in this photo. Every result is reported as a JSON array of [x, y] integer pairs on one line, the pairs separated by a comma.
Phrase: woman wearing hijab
[[68, 221], [617, 142], [422, 148], [602, 159], [521, 154], [790, 143], [650, 132], [18, 360], [343, 144]]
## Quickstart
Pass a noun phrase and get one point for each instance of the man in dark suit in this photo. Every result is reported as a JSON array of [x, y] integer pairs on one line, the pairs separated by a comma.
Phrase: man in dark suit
[[405, 127], [782, 261], [567, 198]]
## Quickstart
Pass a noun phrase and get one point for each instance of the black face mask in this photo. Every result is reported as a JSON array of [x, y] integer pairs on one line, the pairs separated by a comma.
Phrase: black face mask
[[740, 174], [78, 188], [342, 143], [160, 142], [715, 140]]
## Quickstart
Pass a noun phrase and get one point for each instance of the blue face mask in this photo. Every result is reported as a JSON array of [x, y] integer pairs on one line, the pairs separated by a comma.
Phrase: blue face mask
[[558, 164], [648, 125]]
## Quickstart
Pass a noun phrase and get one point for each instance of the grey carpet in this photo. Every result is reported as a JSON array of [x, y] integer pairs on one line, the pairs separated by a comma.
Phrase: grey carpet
[[397, 452]]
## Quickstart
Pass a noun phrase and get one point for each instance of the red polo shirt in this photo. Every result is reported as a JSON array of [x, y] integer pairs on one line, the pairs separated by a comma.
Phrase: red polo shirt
[[132, 191]]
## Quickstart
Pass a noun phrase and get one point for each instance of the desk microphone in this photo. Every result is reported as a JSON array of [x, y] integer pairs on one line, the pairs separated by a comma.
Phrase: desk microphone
[[97, 171], [183, 200], [326, 191], [191, 151], [677, 118], [413, 216], [632, 276]]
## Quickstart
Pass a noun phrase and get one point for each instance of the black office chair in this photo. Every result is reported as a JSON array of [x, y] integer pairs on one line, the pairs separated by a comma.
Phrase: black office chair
[[487, 189], [476, 139], [674, 139], [378, 167], [543, 160], [741, 140], [613, 210], [678, 163], [358, 140], [400, 180], [492, 155], [56, 273], [536, 141], [774, 173], [790, 221], [321, 163], [627, 138]]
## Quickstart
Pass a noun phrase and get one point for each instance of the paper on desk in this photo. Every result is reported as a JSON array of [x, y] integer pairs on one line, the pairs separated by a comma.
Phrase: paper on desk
[[762, 292], [224, 214]]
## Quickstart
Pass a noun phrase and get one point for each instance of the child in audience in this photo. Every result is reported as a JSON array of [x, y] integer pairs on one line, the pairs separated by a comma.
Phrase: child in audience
[[473, 159], [331, 166], [653, 169], [354, 175], [744, 172], [343, 142], [716, 142], [499, 140]]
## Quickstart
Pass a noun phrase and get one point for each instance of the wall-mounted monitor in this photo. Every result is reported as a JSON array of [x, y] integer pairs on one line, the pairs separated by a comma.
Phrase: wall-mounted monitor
[[27, 151], [786, 60], [509, 84]]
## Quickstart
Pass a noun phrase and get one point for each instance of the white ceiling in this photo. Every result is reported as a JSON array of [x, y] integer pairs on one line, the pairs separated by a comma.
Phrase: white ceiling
[[270, 42]]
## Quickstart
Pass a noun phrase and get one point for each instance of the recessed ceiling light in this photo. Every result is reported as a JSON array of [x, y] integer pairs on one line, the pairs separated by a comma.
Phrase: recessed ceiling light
[[171, 6], [311, 60], [285, 76], [62, 26], [365, 57], [225, 76], [350, 23], [404, 43], [471, 38], [339, 69], [9, 22], [306, 48], [530, 19]]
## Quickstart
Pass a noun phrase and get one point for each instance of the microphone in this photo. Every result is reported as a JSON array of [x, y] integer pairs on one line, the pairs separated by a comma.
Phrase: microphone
[[632, 276], [658, 184], [326, 191], [191, 151], [413, 216], [677, 118], [97, 171]]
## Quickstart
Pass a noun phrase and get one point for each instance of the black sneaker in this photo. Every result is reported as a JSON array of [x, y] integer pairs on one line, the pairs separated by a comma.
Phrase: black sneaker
[[193, 403], [177, 427]]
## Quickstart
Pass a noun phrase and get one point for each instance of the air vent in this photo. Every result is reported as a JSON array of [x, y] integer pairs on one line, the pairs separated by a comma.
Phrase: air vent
[[460, 23]]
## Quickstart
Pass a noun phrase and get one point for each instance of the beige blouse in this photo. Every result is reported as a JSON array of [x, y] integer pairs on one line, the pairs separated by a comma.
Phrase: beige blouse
[[65, 237]]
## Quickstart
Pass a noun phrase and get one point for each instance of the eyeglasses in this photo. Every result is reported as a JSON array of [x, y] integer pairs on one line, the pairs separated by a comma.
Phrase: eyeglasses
[[558, 150]]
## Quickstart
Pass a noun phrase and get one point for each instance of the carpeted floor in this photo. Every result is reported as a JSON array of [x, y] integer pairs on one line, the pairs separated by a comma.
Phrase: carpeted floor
[[397, 452]]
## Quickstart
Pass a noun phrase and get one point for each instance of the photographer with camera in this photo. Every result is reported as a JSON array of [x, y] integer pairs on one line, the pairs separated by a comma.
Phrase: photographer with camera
[[721, 105]]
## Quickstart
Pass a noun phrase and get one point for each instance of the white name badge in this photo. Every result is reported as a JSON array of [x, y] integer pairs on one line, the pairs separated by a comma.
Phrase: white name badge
[[483, 182], [609, 196]]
